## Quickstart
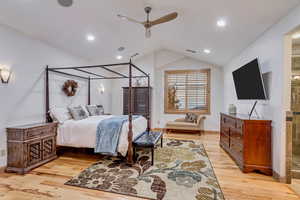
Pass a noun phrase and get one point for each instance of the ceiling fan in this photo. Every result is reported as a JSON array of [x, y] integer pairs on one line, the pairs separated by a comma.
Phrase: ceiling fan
[[65, 3], [148, 24]]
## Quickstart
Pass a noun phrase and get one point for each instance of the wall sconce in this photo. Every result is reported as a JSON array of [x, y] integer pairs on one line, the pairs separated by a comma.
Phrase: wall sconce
[[101, 89], [5, 75]]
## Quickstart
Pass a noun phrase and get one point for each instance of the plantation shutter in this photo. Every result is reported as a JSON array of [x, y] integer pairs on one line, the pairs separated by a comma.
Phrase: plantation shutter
[[187, 91]]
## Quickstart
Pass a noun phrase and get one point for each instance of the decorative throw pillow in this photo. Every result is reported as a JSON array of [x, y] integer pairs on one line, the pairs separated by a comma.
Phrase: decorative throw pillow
[[191, 117], [95, 110], [187, 116], [78, 113], [101, 109], [60, 114]]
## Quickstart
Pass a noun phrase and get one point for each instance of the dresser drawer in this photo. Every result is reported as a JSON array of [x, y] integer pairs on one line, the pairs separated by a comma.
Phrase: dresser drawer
[[236, 148], [236, 135], [228, 121], [40, 132], [225, 130], [35, 133], [239, 126]]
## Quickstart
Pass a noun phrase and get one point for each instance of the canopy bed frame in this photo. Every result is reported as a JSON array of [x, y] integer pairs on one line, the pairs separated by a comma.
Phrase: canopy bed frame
[[90, 76]]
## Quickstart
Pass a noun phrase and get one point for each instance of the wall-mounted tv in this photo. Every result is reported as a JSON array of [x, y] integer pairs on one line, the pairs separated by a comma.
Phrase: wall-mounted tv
[[248, 82]]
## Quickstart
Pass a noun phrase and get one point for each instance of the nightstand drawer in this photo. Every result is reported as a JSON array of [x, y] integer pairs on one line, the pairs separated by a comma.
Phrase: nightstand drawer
[[35, 133]]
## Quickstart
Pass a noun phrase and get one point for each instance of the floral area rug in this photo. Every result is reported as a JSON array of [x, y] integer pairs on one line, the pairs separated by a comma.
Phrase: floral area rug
[[181, 170]]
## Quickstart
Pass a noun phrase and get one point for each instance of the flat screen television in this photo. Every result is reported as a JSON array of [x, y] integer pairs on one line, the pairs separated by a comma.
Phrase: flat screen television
[[248, 82]]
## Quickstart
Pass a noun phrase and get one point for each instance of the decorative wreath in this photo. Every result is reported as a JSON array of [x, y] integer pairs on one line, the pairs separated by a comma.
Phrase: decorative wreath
[[70, 88]]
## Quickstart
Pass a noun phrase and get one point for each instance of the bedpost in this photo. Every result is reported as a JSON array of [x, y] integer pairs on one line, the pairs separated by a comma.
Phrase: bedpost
[[149, 104], [47, 106], [130, 134], [89, 91]]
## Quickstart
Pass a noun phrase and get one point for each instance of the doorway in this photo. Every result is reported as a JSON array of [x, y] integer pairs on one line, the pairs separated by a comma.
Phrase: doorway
[[295, 109]]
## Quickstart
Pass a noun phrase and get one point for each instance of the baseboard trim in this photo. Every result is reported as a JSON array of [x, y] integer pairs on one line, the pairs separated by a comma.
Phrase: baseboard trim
[[205, 131], [212, 132], [279, 178], [2, 169]]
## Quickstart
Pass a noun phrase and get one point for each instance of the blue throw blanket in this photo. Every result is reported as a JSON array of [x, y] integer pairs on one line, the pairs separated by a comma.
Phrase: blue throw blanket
[[108, 133]]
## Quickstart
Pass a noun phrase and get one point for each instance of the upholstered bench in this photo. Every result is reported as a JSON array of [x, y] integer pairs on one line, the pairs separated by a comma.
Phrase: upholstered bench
[[183, 125], [148, 140]]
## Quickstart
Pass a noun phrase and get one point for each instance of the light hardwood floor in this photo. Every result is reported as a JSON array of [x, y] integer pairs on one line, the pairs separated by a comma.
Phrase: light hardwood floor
[[47, 182]]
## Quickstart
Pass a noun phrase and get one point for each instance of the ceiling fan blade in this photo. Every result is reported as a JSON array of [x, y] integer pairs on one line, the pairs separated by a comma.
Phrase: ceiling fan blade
[[129, 19], [164, 19]]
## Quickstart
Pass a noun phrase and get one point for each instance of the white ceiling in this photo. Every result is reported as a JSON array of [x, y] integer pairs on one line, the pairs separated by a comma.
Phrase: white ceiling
[[195, 28]]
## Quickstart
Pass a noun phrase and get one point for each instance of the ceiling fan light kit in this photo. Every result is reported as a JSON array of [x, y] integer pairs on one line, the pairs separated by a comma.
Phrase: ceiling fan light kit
[[65, 3], [148, 24], [191, 51]]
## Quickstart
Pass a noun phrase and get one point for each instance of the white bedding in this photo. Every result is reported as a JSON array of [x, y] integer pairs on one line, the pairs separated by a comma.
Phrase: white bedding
[[82, 133]]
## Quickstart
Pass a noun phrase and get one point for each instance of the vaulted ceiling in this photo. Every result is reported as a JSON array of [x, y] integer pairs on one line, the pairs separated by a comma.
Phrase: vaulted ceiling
[[195, 28]]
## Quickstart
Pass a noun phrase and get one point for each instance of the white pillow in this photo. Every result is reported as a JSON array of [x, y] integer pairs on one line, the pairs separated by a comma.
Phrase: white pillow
[[85, 110], [60, 114], [95, 110]]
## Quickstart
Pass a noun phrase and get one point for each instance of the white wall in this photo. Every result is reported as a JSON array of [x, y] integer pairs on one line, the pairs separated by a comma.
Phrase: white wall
[[155, 64], [59, 99], [212, 120], [269, 48], [23, 100]]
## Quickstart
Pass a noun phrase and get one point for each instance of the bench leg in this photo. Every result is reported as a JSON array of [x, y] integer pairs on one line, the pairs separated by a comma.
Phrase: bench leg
[[152, 156], [134, 154], [161, 142]]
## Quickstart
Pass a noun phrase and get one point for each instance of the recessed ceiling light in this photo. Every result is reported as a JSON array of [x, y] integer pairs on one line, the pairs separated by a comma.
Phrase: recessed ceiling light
[[119, 57], [296, 36], [221, 23], [207, 51], [90, 38]]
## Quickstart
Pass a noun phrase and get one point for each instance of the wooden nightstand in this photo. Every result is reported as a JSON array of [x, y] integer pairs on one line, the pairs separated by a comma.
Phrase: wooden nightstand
[[30, 146]]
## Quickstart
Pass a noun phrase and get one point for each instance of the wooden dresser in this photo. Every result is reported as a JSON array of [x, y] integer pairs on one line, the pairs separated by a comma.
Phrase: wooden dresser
[[247, 141], [140, 100], [30, 146]]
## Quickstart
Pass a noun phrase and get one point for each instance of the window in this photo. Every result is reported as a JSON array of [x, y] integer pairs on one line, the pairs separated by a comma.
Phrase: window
[[187, 91]]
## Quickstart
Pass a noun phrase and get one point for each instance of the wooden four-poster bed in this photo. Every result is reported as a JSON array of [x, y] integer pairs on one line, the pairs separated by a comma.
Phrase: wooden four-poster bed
[[91, 76]]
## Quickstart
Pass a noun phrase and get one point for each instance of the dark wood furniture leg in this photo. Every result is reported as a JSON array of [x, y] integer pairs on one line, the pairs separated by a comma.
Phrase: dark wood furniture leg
[[152, 156], [149, 140], [134, 154], [130, 133]]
